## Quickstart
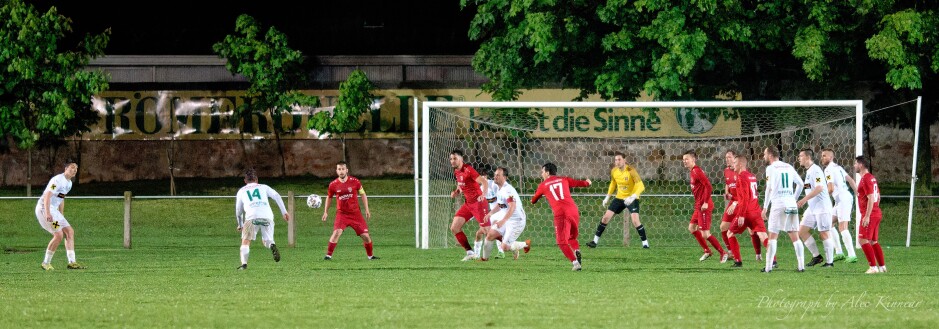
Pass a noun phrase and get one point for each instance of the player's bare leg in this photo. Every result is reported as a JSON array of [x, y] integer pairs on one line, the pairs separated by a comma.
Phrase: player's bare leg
[[367, 243], [457, 228], [333, 241], [50, 250], [69, 236]]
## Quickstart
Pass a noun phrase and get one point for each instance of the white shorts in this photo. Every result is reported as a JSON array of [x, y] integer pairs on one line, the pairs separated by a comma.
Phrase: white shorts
[[819, 221], [843, 210], [511, 231], [58, 221], [252, 226], [780, 220]]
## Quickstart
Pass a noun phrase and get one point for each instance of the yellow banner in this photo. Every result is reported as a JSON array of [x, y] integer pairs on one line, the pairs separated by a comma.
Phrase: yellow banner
[[209, 115]]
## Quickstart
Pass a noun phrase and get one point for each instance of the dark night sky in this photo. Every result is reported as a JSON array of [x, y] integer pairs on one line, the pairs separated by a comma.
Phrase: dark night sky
[[350, 27]]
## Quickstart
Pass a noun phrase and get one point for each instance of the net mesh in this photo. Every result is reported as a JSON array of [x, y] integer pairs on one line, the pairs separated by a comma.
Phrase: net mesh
[[522, 140]]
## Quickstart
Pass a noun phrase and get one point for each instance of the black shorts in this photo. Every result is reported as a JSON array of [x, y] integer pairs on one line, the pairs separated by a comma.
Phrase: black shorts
[[618, 205]]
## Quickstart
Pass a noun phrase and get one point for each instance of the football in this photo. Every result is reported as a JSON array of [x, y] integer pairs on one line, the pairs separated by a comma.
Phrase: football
[[314, 201]]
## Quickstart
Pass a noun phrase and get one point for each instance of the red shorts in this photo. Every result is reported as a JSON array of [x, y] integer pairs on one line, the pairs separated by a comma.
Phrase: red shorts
[[726, 218], [566, 228], [871, 231], [702, 218], [477, 210], [752, 221], [353, 219]]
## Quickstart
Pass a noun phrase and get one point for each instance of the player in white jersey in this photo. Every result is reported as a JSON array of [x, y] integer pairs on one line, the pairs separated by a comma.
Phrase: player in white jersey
[[49, 212], [508, 219], [783, 184], [481, 232], [253, 213], [818, 214], [838, 184]]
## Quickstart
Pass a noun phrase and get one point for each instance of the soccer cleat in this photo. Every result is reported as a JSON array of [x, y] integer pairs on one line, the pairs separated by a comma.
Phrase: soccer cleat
[[500, 254], [883, 269], [851, 259], [275, 252], [576, 267], [470, 256], [480, 259], [705, 256], [815, 261], [528, 246], [775, 264], [645, 244], [373, 257], [724, 258], [47, 267], [839, 257], [800, 270], [243, 267], [328, 257], [829, 265], [737, 264], [75, 266], [592, 244], [763, 270], [759, 258], [872, 270], [579, 258]]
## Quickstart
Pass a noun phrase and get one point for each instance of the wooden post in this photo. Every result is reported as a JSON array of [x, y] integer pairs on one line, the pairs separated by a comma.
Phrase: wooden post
[[291, 238], [627, 223], [29, 172], [127, 198]]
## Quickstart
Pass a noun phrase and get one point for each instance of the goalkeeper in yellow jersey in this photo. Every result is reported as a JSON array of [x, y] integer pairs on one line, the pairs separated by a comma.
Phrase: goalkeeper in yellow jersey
[[625, 181]]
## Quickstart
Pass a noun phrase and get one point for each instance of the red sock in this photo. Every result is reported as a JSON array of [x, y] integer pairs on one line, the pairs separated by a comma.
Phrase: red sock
[[878, 254], [461, 238], [716, 244], [330, 248], [724, 238], [567, 251], [704, 244], [574, 244], [734, 248], [869, 254], [368, 249], [755, 239]]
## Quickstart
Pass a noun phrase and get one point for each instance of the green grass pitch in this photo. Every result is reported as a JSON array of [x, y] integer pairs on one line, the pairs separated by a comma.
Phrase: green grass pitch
[[181, 273]]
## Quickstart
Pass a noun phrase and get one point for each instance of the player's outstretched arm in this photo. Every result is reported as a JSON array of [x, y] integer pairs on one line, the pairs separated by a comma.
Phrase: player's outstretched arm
[[538, 194], [851, 182]]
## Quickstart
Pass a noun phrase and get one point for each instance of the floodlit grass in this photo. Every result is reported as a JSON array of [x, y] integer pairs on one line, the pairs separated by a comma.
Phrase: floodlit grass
[[181, 273]]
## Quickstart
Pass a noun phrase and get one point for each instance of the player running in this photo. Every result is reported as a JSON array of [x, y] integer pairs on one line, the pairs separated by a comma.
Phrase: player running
[[474, 188], [700, 225], [628, 186], [557, 190], [346, 189], [253, 213], [508, 219]]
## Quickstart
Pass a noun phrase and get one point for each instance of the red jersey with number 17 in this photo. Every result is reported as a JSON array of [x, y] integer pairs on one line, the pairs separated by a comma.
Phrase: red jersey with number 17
[[730, 182], [466, 180], [747, 201], [701, 188], [558, 191]]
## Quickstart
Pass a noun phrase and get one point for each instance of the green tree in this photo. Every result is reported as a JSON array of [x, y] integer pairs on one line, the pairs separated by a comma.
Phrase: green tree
[[45, 91], [677, 49], [355, 99], [274, 70]]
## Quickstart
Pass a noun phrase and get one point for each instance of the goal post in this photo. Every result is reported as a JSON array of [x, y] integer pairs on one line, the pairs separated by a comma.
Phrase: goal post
[[449, 125]]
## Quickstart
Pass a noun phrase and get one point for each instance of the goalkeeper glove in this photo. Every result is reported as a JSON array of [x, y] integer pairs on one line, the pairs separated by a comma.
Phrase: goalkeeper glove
[[630, 199], [606, 200]]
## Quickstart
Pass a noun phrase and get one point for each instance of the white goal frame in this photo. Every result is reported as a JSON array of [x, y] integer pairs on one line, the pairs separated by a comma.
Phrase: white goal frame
[[422, 220]]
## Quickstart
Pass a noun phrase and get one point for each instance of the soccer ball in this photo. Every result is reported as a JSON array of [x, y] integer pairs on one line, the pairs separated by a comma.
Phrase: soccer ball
[[314, 201]]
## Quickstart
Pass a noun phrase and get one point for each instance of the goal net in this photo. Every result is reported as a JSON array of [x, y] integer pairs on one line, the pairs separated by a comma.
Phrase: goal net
[[581, 138]]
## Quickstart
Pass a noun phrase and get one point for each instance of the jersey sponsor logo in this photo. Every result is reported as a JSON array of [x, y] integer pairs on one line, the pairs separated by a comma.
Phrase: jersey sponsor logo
[[53, 187], [818, 179], [828, 177], [55, 225]]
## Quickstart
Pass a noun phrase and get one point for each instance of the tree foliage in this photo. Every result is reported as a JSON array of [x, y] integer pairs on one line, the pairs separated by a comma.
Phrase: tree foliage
[[45, 91], [355, 99], [273, 69]]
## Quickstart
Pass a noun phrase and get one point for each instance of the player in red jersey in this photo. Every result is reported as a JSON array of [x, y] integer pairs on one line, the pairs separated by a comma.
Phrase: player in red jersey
[[700, 225], [744, 211], [730, 192], [346, 189], [868, 198], [474, 188], [557, 189]]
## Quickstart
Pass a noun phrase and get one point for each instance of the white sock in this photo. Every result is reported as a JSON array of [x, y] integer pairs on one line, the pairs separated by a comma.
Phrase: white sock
[[596, 239], [836, 238], [800, 253], [829, 245], [770, 254], [848, 243], [517, 245], [810, 243], [883, 268], [244, 254], [575, 262], [485, 251], [48, 258], [70, 254], [477, 246]]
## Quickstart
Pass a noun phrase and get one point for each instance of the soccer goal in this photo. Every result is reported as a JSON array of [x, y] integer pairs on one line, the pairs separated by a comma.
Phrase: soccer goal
[[581, 138]]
